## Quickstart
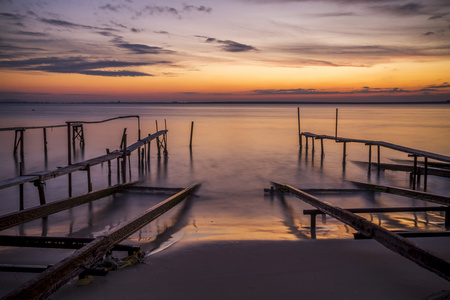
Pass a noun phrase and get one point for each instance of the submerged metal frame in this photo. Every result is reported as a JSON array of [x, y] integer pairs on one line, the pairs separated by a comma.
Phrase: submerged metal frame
[[43, 285], [423, 257]]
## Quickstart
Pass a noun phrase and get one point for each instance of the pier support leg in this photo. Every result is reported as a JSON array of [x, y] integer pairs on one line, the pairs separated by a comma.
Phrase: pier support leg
[[414, 173], [425, 175], [21, 206], [370, 159], [313, 226], [89, 181], [344, 153], [378, 158], [40, 185], [321, 147], [109, 169]]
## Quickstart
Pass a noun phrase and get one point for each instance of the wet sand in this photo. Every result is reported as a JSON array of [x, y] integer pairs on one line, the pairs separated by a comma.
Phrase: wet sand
[[319, 269]]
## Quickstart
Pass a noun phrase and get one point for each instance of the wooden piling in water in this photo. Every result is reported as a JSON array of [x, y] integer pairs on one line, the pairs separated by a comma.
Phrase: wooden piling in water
[[336, 127], [192, 132], [299, 130]]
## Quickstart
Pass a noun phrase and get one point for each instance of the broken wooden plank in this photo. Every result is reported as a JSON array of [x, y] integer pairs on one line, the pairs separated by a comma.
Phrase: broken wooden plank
[[405, 192], [33, 213], [43, 285], [423, 257]]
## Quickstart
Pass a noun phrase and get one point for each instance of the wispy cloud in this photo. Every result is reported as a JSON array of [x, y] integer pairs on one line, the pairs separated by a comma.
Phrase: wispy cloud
[[77, 65], [229, 46], [300, 91], [173, 11], [31, 33], [67, 24], [139, 48], [401, 9]]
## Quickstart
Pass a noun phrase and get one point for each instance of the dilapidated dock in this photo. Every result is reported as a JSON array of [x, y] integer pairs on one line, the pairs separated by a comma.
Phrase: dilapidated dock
[[89, 250]]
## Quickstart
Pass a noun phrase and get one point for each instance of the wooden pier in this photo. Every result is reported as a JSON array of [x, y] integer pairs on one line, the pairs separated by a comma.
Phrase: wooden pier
[[415, 153]]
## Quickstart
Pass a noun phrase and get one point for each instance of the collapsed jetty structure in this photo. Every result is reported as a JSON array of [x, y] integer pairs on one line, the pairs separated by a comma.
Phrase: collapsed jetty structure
[[89, 251]]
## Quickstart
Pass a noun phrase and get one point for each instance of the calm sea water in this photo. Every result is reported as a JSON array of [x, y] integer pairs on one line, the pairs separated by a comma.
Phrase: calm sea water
[[237, 151]]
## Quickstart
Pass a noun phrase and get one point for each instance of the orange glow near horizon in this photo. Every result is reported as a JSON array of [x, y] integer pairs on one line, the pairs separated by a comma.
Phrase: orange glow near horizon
[[233, 79]]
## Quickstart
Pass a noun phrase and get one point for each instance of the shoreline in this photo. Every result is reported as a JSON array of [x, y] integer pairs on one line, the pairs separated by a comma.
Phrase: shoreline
[[319, 269]]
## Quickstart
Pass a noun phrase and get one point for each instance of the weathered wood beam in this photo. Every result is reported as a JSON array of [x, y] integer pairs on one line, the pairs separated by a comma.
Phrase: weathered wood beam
[[33, 213], [404, 247], [43, 285], [405, 192]]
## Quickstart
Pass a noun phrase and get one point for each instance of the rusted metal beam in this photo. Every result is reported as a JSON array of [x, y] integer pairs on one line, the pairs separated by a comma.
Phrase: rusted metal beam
[[56, 243], [43, 285], [423, 257], [409, 234], [23, 216], [405, 192]]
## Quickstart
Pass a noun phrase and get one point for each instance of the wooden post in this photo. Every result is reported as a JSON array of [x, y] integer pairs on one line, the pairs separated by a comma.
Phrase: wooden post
[[370, 158], [45, 140], [313, 226], [124, 158], [336, 127], [139, 128], [88, 169], [378, 157], [313, 143], [425, 175], [109, 169], [40, 186], [148, 152], [118, 170], [192, 131], [21, 186], [344, 153], [165, 138], [299, 131], [321, 147], [414, 172], [69, 151], [306, 138]]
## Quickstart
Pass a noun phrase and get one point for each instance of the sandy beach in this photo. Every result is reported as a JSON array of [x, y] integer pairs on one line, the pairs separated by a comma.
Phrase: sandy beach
[[320, 269]]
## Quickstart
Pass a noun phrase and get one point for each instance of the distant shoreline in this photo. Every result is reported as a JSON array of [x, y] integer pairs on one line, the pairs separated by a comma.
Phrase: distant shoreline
[[14, 101]]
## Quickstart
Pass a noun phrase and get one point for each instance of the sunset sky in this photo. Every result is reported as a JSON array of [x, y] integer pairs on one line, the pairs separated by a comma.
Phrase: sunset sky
[[290, 50]]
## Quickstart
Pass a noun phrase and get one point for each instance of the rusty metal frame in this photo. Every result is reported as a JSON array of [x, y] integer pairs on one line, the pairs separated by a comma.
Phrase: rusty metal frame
[[43, 285], [423, 257]]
